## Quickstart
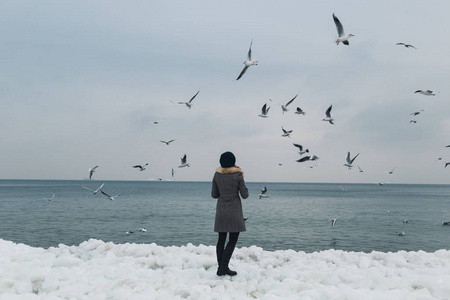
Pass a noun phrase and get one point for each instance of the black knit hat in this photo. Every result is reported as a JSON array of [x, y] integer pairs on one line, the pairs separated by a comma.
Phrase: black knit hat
[[227, 160]]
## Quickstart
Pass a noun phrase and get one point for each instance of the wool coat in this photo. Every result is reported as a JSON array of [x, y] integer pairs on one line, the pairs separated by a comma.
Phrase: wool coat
[[227, 183]]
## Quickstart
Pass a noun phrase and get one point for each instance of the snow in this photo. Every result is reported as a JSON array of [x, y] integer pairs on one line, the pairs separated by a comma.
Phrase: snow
[[104, 270]]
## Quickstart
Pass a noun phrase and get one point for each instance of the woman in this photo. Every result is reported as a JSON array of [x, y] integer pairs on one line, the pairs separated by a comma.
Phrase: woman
[[227, 183]]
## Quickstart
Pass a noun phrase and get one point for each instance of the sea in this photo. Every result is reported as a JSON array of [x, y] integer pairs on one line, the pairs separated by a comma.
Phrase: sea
[[295, 216]]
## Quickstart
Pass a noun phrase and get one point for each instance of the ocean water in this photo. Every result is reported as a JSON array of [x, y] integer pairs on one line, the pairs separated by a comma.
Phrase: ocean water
[[295, 216]]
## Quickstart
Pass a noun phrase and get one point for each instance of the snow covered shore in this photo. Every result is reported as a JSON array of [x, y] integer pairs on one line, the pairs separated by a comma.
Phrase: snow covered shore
[[99, 270]]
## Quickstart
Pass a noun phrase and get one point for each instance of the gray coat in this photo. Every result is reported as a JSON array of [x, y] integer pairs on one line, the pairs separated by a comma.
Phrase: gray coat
[[227, 183]]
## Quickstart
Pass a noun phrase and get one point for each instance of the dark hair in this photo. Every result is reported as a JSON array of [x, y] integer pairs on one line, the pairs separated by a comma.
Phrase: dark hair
[[227, 160]]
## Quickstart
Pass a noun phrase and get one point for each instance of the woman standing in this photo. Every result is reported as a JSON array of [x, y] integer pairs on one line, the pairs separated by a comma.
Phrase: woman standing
[[227, 183]]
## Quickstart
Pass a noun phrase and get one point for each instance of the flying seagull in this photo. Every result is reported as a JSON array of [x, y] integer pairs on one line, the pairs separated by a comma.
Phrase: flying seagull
[[189, 103], [392, 171], [426, 93], [286, 133], [349, 162], [340, 29], [173, 172], [284, 106], [415, 113], [308, 157], [167, 142], [299, 111], [140, 167], [110, 197], [263, 193], [300, 148], [264, 111], [249, 62], [406, 45], [49, 199], [94, 192], [328, 115], [91, 171], [184, 162], [333, 221]]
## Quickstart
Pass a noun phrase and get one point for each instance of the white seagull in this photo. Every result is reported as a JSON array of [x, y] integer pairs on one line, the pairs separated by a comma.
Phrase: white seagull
[[300, 111], [349, 162], [167, 142], [140, 167], [284, 106], [308, 157], [333, 221], [184, 162], [110, 197], [426, 93], [406, 45], [94, 192], [263, 193], [328, 115], [286, 133], [91, 171], [49, 199], [249, 62], [340, 29], [300, 148], [264, 111], [402, 233], [143, 230], [189, 103]]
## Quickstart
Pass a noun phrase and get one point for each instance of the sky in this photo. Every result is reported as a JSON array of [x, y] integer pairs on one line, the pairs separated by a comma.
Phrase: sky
[[81, 84]]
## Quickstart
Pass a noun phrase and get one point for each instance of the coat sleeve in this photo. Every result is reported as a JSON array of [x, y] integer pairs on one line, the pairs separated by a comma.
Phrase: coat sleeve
[[214, 190], [242, 188]]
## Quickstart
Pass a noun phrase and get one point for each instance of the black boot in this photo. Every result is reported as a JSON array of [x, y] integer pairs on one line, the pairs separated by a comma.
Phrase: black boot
[[219, 254], [223, 266]]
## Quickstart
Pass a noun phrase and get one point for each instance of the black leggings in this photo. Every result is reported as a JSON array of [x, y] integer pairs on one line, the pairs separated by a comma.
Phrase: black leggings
[[224, 253]]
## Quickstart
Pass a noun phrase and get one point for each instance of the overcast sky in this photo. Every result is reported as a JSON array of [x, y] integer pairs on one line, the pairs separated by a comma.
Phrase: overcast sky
[[81, 83]]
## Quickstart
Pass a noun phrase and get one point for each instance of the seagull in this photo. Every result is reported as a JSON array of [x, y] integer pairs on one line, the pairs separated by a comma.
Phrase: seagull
[[94, 191], [143, 230], [264, 111], [263, 193], [189, 103], [415, 113], [328, 115], [401, 233], [306, 158], [183, 162], [446, 223], [333, 221], [140, 167], [349, 162], [340, 29], [173, 172], [299, 111], [426, 93], [447, 146], [284, 106], [110, 197], [413, 121], [49, 199], [286, 133], [300, 148], [129, 232], [405, 221], [167, 142], [91, 171], [406, 45], [249, 62], [392, 171], [360, 170]]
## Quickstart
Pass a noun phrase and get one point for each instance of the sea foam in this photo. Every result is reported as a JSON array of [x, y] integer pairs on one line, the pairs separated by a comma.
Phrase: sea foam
[[104, 270]]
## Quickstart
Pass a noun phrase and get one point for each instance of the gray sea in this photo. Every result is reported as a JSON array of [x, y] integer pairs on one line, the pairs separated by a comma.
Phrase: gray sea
[[295, 216]]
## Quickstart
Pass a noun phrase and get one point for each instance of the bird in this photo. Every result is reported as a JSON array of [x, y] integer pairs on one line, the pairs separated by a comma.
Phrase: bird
[[426, 93], [189, 103], [110, 197], [349, 162], [143, 230], [264, 111], [284, 106], [140, 167], [415, 113], [308, 157], [49, 199], [184, 162], [167, 142], [392, 171], [299, 111], [340, 29], [263, 193], [129, 232], [300, 148], [406, 45], [446, 223], [405, 221], [286, 133], [328, 115], [333, 221], [360, 170], [249, 62], [401, 233], [172, 172], [91, 171], [413, 121], [446, 164], [94, 192], [447, 146]]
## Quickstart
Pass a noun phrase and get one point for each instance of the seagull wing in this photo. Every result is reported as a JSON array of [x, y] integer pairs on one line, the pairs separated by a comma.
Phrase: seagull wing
[[242, 72], [290, 101], [300, 147], [339, 27], [348, 158], [328, 112], [305, 158], [105, 194], [193, 97], [87, 188], [249, 54], [354, 158], [264, 109]]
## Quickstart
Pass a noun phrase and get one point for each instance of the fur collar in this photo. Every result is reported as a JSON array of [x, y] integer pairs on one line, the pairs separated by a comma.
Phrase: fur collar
[[231, 170]]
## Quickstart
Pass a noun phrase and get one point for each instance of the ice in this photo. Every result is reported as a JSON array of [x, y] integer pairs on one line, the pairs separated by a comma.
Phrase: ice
[[104, 270]]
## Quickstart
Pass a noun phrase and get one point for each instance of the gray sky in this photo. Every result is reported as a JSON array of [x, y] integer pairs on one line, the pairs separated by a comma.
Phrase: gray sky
[[82, 81]]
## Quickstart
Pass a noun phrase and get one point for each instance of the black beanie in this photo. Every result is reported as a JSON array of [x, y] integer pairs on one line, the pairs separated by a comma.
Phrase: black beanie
[[227, 160]]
